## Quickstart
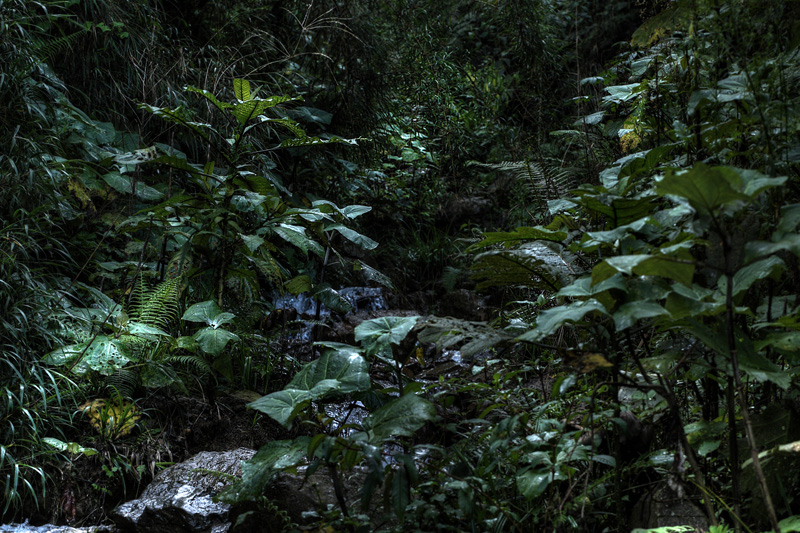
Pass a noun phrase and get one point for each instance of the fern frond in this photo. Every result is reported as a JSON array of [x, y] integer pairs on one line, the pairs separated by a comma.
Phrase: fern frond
[[124, 382], [52, 47], [545, 182], [158, 307], [194, 363]]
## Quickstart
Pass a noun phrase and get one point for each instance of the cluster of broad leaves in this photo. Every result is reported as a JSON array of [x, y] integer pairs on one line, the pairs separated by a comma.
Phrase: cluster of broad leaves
[[223, 224], [678, 261], [342, 374]]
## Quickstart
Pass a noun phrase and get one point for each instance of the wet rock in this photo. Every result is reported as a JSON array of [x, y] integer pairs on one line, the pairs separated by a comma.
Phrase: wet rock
[[49, 528], [180, 499]]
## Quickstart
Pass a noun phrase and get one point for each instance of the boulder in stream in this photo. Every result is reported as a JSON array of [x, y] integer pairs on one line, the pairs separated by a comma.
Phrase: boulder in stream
[[180, 499]]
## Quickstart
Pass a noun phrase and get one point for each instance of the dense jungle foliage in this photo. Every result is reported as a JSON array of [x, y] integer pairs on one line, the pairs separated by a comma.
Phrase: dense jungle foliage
[[617, 181]]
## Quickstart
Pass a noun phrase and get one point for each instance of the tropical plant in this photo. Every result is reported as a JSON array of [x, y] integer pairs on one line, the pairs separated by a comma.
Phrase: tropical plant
[[341, 373]]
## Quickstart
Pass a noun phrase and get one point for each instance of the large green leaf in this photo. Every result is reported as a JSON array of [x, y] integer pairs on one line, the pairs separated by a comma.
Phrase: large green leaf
[[252, 241], [313, 141], [378, 334], [474, 337], [692, 301], [786, 342], [751, 362], [532, 482], [355, 237], [202, 312], [331, 299], [371, 274], [282, 406], [788, 243], [763, 269], [353, 211], [241, 89], [340, 370], [104, 355], [213, 340], [400, 417], [261, 469], [551, 319], [534, 264], [296, 235], [706, 188], [222, 106], [620, 211], [677, 268], [630, 312], [299, 284], [522, 234], [345, 366]]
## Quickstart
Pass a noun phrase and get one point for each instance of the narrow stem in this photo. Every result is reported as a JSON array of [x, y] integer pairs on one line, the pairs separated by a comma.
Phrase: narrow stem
[[748, 428], [733, 455]]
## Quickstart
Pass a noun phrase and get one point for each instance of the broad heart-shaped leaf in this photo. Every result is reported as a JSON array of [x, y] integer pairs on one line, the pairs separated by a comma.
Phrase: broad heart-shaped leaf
[[786, 342], [378, 334], [762, 269], [213, 340], [751, 362], [202, 312], [282, 406], [630, 312], [259, 471], [522, 234], [104, 355], [252, 241], [679, 268], [551, 319], [706, 188], [347, 369], [619, 211], [337, 372], [532, 482], [400, 417], [533, 264]]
